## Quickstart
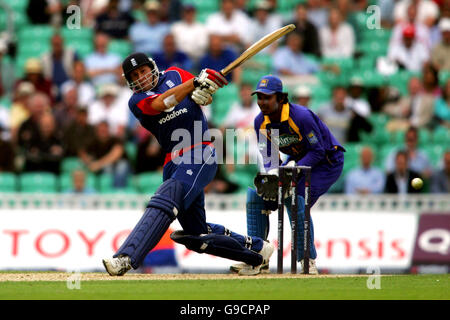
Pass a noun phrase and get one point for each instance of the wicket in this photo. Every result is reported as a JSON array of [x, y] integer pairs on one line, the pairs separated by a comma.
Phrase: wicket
[[288, 179]]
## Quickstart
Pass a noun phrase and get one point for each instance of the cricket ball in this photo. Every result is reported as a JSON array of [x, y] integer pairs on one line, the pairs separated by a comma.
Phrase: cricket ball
[[417, 183]]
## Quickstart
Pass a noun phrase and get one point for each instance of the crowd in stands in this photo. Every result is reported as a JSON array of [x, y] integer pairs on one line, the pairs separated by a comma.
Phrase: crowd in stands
[[382, 87]]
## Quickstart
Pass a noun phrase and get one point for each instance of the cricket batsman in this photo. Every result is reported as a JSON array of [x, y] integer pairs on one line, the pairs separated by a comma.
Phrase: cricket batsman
[[307, 141], [168, 104]]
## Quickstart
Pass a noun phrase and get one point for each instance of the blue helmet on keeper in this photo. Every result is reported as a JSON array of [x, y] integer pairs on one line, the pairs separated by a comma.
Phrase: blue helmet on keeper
[[269, 85]]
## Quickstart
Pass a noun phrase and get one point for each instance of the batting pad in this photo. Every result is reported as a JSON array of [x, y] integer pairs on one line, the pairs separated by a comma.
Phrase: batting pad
[[257, 221], [159, 214], [219, 245]]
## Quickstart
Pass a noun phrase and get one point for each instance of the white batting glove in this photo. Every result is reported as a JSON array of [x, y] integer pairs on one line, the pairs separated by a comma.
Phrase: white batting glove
[[210, 80], [201, 96]]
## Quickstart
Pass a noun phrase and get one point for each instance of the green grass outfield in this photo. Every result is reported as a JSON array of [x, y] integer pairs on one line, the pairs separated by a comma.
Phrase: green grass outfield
[[222, 287]]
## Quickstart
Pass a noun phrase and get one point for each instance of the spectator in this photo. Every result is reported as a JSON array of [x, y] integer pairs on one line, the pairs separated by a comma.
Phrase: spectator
[[171, 56], [422, 31], [102, 67], [66, 112], [337, 114], [7, 155], [78, 134], [418, 160], [366, 179], [79, 183], [113, 22], [440, 181], [107, 108], [263, 23], [243, 112], [399, 180], [360, 110], [35, 75], [427, 11], [149, 155], [190, 35], [44, 11], [430, 80], [38, 105], [317, 13], [7, 77], [148, 36], [57, 64], [410, 54], [441, 52], [5, 122], [85, 89], [232, 24], [337, 39], [414, 109], [308, 31], [106, 155], [442, 106], [218, 57], [45, 152], [19, 108], [302, 95], [289, 60]]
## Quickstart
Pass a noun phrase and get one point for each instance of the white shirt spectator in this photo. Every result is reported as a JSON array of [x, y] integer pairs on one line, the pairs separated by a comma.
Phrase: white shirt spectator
[[191, 38], [116, 114], [260, 29], [412, 58], [339, 44], [426, 9], [86, 91], [97, 60], [423, 34], [241, 117], [239, 23]]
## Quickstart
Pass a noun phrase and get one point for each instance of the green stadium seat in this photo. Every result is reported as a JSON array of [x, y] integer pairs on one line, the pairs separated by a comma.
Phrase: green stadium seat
[[121, 47], [105, 183], [443, 77], [148, 182], [33, 47], [36, 33], [8, 182], [65, 181], [372, 48], [84, 33], [435, 153], [131, 151], [19, 5], [83, 47], [441, 135], [38, 182], [70, 164]]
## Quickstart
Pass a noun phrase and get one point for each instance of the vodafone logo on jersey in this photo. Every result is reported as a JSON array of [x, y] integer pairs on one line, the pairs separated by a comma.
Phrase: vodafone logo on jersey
[[172, 115]]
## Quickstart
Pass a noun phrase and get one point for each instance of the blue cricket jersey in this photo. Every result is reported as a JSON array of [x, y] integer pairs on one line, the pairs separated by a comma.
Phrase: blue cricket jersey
[[302, 136], [163, 124]]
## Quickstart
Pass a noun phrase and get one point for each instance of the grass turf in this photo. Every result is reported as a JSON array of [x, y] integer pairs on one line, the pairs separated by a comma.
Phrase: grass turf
[[398, 287]]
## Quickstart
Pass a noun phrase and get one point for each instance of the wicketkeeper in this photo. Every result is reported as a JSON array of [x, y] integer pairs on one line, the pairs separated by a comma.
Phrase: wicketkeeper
[[299, 133]]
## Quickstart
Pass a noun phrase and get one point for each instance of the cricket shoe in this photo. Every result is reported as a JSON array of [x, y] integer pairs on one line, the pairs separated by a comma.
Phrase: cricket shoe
[[312, 266], [235, 268], [266, 252], [117, 266]]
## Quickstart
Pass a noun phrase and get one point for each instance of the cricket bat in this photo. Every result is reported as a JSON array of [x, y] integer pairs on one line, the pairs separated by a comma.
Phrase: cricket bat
[[257, 47]]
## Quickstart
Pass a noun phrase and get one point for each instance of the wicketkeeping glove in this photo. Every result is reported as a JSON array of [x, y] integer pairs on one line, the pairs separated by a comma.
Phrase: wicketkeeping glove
[[201, 96], [210, 80]]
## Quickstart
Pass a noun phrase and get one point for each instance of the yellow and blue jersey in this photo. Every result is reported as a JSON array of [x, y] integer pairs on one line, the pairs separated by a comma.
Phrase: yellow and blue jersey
[[301, 135]]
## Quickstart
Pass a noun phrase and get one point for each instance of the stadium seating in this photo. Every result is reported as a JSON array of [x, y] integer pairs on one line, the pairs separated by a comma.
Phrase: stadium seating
[[148, 182], [65, 182], [38, 182], [70, 164], [8, 182]]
